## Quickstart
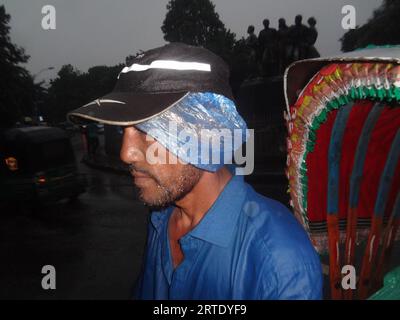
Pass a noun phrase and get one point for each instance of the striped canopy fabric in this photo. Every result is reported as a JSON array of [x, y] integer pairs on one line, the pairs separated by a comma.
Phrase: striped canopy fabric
[[343, 165]]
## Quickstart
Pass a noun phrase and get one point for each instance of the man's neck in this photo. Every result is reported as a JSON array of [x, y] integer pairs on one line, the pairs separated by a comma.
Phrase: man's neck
[[191, 208]]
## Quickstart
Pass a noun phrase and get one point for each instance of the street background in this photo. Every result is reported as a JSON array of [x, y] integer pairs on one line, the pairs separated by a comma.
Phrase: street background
[[95, 243]]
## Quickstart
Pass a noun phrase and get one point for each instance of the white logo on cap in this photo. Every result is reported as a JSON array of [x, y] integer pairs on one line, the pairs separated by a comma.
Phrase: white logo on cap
[[168, 64], [100, 101]]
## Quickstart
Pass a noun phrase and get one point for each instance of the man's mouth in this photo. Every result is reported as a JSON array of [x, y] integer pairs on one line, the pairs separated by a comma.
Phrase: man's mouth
[[139, 176]]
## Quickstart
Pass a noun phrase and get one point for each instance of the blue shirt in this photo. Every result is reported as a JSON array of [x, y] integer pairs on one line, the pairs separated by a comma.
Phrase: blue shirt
[[245, 247]]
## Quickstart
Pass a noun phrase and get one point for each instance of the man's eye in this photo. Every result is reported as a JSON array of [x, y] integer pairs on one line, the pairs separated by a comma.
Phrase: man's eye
[[120, 130]]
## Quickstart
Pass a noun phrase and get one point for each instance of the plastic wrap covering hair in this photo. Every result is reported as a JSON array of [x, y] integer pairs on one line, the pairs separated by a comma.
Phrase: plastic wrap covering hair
[[203, 129]]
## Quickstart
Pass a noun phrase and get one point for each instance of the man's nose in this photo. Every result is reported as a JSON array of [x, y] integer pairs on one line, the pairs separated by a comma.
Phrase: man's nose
[[132, 146]]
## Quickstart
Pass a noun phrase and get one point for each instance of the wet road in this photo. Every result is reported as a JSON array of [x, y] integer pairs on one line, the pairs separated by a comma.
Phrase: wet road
[[95, 243]]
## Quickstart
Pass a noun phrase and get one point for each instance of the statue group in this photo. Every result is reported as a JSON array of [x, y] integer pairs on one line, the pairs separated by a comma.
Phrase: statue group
[[274, 49]]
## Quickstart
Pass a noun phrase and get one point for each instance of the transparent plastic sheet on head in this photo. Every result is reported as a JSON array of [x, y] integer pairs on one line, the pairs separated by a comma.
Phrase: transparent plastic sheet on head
[[203, 129]]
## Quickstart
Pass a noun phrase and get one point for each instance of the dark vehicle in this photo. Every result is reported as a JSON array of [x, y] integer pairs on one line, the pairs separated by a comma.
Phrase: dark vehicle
[[38, 166]]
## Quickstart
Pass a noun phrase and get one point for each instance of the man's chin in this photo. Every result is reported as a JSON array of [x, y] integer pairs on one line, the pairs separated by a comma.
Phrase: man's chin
[[150, 201], [155, 206]]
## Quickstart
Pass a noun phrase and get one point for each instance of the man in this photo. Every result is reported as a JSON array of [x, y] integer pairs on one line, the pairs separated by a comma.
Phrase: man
[[282, 36], [92, 139], [252, 46], [210, 236], [298, 39], [267, 40], [312, 35], [251, 39]]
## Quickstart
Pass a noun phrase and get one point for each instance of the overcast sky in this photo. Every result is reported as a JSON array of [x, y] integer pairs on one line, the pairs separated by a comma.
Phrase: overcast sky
[[104, 32]]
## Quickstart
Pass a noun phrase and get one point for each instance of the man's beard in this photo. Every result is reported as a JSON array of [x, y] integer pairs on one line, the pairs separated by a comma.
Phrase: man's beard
[[172, 189]]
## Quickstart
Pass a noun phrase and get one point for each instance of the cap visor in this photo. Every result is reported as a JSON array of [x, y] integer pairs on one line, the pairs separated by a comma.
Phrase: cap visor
[[123, 109]]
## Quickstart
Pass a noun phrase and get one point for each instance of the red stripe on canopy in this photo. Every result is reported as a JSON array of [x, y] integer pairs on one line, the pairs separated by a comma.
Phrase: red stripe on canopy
[[378, 149], [377, 152]]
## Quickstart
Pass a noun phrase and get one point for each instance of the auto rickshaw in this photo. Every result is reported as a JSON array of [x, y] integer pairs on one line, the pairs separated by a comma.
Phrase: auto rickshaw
[[38, 166], [343, 122]]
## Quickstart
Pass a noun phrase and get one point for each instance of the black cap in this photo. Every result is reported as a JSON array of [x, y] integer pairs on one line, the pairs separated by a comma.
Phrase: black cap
[[155, 81]]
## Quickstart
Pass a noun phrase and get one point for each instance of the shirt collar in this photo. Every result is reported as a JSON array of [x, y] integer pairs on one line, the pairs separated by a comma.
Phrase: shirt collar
[[217, 225], [160, 218]]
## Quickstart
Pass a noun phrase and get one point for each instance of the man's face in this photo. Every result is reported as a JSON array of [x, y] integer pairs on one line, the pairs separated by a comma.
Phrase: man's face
[[159, 185]]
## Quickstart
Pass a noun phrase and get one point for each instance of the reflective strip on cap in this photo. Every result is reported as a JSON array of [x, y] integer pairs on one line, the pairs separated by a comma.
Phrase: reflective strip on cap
[[169, 64]]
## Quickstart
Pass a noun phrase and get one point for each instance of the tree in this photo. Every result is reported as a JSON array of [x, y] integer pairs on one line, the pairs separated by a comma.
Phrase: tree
[[195, 22], [381, 29], [17, 87], [129, 59], [72, 89], [64, 93]]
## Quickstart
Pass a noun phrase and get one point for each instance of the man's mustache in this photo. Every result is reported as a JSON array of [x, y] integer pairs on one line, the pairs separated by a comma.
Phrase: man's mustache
[[132, 169]]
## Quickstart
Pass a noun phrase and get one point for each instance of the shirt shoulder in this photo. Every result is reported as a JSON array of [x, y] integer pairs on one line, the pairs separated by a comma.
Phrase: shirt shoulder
[[271, 221], [277, 235], [291, 268]]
